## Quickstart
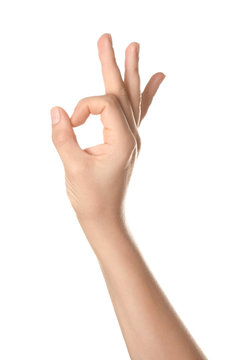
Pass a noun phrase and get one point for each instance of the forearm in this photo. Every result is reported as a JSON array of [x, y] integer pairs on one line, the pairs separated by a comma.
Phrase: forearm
[[150, 326]]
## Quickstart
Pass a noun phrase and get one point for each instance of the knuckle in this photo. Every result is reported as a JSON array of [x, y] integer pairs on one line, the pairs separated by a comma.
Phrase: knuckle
[[122, 90], [138, 141], [60, 138], [128, 150], [139, 147], [134, 69], [74, 171], [111, 99], [114, 98], [130, 143], [133, 142]]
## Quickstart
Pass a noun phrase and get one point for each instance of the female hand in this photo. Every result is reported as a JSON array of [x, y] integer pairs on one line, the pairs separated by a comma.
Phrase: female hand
[[97, 177]]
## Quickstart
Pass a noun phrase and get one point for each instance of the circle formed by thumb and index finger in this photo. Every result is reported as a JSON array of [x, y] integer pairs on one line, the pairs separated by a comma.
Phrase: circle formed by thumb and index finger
[[111, 113]]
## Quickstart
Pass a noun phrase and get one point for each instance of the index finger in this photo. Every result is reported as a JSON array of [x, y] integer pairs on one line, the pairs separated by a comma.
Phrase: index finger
[[112, 116]]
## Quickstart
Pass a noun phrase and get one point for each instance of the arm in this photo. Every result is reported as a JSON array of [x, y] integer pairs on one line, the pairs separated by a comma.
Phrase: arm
[[96, 183], [150, 327]]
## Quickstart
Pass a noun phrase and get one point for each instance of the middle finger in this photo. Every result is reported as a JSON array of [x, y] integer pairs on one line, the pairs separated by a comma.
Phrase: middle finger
[[113, 79]]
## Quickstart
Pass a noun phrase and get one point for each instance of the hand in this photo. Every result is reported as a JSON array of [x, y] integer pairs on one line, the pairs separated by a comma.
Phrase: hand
[[97, 177]]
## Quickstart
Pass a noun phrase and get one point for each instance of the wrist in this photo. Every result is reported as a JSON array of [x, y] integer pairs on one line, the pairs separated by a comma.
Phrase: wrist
[[105, 233], [102, 219]]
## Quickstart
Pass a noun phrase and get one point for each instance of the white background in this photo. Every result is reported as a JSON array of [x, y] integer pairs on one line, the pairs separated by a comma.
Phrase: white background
[[183, 203]]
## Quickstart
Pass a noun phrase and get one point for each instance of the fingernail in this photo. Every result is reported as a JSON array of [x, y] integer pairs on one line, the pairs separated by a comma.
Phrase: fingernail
[[55, 115], [138, 49], [110, 38]]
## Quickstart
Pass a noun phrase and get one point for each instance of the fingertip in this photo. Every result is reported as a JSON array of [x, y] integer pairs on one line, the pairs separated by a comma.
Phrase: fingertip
[[52, 110], [161, 76], [105, 38], [110, 37], [133, 47], [55, 115], [157, 79]]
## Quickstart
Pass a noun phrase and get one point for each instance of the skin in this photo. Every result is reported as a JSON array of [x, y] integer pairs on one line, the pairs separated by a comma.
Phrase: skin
[[96, 182]]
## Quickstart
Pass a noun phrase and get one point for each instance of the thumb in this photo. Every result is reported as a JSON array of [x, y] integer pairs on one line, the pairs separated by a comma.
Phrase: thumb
[[64, 138]]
